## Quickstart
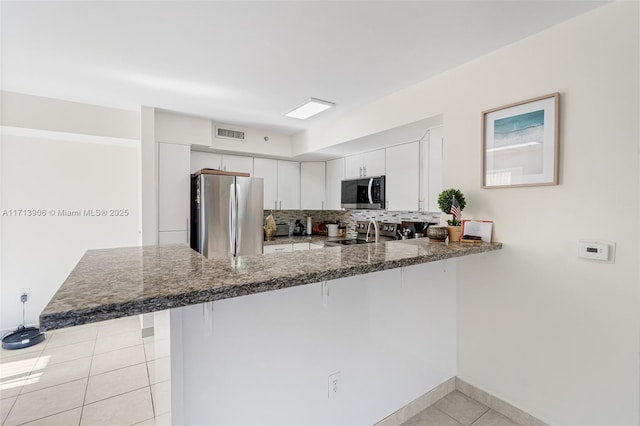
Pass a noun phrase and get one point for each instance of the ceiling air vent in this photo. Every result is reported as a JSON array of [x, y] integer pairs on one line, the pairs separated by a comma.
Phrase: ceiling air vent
[[225, 133]]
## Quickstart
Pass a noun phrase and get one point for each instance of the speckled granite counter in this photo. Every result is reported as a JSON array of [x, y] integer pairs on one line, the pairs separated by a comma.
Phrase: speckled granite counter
[[113, 283]]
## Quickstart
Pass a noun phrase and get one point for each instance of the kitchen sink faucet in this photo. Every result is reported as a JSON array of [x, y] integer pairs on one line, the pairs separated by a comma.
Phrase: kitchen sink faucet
[[375, 226]]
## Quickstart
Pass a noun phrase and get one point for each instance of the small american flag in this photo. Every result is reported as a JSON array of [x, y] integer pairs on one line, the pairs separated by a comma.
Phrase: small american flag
[[455, 209]]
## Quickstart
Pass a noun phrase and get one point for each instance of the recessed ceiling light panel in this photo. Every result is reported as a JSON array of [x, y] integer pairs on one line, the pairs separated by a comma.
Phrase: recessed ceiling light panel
[[311, 107]]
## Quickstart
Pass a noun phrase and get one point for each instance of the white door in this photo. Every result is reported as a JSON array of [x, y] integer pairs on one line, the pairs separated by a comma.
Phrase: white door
[[353, 166], [174, 186], [335, 174], [237, 163], [312, 186], [403, 177], [268, 170], [374, 163], [288, 185]]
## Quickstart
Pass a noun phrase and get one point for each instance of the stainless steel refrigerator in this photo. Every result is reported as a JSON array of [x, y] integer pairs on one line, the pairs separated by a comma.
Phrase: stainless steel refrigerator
[[226, 214]]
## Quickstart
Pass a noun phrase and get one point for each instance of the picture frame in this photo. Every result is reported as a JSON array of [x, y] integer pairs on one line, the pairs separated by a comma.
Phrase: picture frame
[[520, 143]]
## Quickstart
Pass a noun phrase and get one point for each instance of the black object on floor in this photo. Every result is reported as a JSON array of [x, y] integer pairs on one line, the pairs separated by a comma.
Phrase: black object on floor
[[23, 337]]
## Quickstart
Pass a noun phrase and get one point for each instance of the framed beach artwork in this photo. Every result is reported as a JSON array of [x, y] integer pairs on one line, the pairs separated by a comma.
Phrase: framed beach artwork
[[520, 143]]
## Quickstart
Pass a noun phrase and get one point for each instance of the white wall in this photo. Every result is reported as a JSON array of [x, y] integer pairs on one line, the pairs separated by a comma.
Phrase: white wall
[[267, 357], [39, 252], [56, 154], [554, 335], [189, 130]]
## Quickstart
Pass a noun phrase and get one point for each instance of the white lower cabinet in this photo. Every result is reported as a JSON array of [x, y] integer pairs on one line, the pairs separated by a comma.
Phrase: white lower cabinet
[[284, 248], [172, 237], [277, 248]]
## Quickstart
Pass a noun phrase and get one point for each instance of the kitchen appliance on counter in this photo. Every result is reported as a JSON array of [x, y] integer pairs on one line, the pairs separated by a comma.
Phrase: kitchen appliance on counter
[[282, 230], [226, 213], [298, 228], [386, 230], [363, 193], [414, 229]]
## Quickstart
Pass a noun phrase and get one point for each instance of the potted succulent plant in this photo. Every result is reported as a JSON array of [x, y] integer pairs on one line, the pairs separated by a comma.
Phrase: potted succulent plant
[[451, 201]]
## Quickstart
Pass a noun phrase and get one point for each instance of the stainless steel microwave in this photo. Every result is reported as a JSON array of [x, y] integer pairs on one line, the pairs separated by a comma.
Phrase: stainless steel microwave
[[363, 193]]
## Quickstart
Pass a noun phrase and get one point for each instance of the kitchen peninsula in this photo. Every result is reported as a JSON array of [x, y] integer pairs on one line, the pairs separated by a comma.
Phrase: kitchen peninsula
[[112, 283], [380, 316]]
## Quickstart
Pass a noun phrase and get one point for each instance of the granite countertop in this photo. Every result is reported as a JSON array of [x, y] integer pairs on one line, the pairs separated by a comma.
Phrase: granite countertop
[[113, 283]]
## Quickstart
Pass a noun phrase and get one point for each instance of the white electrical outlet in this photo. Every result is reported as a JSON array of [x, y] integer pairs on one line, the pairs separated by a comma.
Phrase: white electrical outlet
[[26, 291], [334, 384]]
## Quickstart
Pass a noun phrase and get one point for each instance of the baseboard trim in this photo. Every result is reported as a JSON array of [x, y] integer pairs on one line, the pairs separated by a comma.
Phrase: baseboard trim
[[419, 404], [455, 383], [511, 412]]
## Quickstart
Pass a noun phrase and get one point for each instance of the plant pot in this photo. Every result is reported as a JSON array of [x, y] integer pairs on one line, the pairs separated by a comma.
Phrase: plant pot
[[437, 233], [455, 232]]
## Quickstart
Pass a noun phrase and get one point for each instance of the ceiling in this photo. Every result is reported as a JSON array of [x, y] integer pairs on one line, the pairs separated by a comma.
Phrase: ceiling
[[247, 63]]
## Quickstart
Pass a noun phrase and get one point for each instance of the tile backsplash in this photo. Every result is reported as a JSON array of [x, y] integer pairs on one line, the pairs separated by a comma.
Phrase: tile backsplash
[[349, 217]]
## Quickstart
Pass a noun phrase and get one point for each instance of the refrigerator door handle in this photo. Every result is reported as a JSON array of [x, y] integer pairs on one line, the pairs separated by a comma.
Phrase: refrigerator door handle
[[232, 219], [239, 214]]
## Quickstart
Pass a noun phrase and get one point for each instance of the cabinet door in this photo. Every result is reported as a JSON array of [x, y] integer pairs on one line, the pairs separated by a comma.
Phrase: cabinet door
[[174, 186], [403, 177], [312, 186], [237, 163], [374, 163], [205, 160], [353, 166], [335, 174], [172, 237], [432, 169], [277, 248], [288, 185], [268, 170]]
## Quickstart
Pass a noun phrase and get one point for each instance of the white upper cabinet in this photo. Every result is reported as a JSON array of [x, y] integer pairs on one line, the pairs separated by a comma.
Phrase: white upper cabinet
[[403, 177], [237, 163], [281, 183], [374, 163], [288, 185], [370, 163], [174, 186], [205, 160], [312, 184], [431, 179], [267, 169], [335, 174], [212, 160]]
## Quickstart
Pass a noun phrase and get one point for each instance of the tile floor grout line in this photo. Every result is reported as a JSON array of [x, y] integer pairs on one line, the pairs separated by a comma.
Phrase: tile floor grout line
[[153, 406], [115, 369], [483, 413], [446, 414], [119, 394], [86, 388], [50, 415]]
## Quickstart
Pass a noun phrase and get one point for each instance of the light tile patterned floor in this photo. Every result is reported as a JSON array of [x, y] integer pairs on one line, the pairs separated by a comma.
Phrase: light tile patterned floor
[[97, 374], [457, 409]]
